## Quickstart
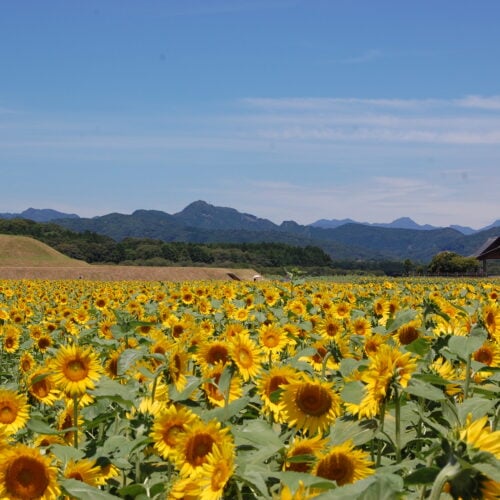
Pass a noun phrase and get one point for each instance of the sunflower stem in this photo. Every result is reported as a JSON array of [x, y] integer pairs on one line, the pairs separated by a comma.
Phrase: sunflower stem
[[138, 471], [379, 443], [397, 401], [323, 368], [75, 423], [495, 420], [467, 376], [155, 383], [449, 471], [238, 493]]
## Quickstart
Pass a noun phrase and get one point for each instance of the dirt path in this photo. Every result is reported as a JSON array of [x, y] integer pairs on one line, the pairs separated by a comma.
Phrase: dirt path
[[125, 273]]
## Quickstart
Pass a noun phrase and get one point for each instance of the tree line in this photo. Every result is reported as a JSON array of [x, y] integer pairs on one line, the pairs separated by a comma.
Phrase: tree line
[[266, 257], [95, 248]]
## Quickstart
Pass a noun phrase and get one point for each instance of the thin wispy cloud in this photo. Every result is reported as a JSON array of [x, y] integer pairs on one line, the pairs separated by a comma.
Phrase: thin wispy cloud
[[325, 103], [480, 102], [470, 120], [258, 122], [386, 196]]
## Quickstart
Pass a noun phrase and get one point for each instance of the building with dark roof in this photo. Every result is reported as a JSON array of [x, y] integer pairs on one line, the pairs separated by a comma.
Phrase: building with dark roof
[[489, 250]]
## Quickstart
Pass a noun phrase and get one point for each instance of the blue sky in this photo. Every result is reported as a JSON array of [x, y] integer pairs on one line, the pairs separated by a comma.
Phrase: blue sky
[[284, 109]]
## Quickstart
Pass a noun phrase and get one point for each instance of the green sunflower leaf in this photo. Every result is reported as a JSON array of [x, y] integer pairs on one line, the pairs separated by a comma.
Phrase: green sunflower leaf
[[83, 491]]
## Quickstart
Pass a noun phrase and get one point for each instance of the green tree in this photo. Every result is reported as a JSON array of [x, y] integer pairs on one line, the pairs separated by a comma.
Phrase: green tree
[[451, 263]]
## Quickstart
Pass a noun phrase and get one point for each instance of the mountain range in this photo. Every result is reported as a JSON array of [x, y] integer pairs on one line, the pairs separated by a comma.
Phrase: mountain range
[[201, 222]]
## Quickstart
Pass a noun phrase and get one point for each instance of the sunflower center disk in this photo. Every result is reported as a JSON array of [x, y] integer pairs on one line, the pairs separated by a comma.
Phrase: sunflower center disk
[[7, 415], [200, 447], [337, 468], [26, 478], [76, 370], [245, 358], [313, 400]]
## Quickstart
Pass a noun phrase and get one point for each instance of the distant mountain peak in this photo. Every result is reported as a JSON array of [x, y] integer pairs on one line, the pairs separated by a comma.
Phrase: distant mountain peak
[[332, 223], [206, 216], [39, 215], [406, 223]]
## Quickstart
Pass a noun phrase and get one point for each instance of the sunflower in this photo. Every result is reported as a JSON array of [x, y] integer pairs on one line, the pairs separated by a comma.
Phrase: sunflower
[[488, 354], [373, 342], [211, 388], [490, 490], [168, 426], [344, 464], [11, 336], [240, 314], [329, 327], [65, 421], [306, 450], [14, 410], [301, 493], [407, 333], [323, 352], [387, 366], [4, 437], [445, 369], [46, 440], [177, 367], [212, 353], [457, 325], [106, 328], [491, 318], [272, 381], [75, 369], [179, 326], [272, 338], [148, 406], [111, 366], [17, 316], [297, 307], [232, 330], [311, 405], [204, 306], [479, 436], [214, 474], [84, 470], [42, 388], [108, 470], [271, 295], [381, 309], [26, 362], [43, 342], [161, 346], [81, 316], [361, 326], [196, 443], [342, 310], [246, 355], [26, 474], [185, 489], [101, 302], [35, 331]]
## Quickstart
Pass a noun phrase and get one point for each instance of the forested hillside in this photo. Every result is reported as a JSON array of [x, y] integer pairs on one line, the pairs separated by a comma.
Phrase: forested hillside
[[201, 222], [94, 248]]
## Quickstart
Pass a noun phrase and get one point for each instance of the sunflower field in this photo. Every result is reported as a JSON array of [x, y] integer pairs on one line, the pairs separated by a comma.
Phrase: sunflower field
[[369, 389]]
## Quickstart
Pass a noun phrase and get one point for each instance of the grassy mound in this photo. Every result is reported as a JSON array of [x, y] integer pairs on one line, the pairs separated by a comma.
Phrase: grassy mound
[[22, 257], [22, 251]]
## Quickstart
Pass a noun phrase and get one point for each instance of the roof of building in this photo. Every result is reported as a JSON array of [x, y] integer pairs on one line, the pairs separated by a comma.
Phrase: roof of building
[[489, 250]]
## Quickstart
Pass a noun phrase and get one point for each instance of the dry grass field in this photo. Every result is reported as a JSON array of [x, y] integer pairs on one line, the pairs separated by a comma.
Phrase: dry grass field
[[26, 258]]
